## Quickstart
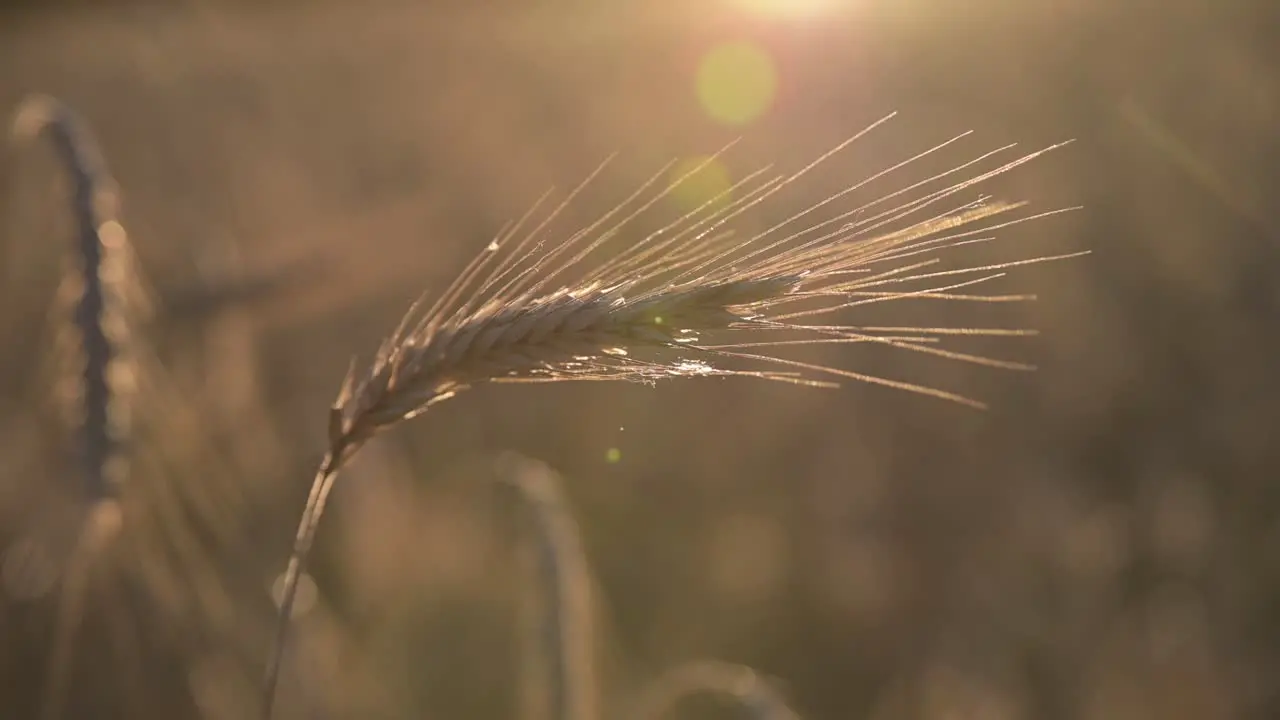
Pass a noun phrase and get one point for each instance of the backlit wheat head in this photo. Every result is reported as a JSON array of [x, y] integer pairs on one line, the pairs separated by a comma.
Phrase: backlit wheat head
[[688, 298]]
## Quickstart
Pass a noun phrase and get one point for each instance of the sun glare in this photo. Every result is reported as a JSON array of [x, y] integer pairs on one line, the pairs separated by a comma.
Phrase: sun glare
[[736, 82], [699, 180], [787, 8]]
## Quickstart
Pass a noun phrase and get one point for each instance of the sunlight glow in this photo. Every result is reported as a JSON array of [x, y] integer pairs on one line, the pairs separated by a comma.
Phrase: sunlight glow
[[787, 8], [701, 179], [737, 82]]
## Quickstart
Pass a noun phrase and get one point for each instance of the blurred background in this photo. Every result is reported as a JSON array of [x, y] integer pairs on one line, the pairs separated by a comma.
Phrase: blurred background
[[1103, 543]]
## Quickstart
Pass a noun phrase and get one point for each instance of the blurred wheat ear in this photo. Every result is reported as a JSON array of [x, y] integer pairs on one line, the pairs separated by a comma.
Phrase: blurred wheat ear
[[100, 296], [160, 488], [101, 304], [557, 649], [686, 298]]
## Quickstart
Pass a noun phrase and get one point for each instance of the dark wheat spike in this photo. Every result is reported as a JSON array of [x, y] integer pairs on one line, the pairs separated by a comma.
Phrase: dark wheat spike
[[100, 315], [105, 300]]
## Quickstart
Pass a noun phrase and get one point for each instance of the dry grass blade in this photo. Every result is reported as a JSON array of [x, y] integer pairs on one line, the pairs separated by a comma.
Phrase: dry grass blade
[[685, 300]]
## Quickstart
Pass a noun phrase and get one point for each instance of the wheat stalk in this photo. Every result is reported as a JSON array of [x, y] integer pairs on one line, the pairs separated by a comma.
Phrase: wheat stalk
[[682, 301], [557, 653]]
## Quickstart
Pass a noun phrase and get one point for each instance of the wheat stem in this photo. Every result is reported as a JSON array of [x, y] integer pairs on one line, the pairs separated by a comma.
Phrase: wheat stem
[[319, 495], [97, 532], [562, 618]]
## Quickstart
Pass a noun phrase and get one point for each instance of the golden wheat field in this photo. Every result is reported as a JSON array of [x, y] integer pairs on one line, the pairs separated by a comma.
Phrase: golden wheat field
[[828, 359]]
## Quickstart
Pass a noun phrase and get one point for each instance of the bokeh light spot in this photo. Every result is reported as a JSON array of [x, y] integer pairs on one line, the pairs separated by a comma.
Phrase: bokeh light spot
[[737, 82], [613, 455], [700, 180], [305, 599]]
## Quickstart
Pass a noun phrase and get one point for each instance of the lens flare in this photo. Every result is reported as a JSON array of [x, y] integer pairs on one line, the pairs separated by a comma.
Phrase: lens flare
[[699, 180], [787, 8], [737, 82]]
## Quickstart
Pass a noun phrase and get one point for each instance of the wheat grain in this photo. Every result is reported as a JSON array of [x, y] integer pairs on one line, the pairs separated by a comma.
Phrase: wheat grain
[[685, 300]]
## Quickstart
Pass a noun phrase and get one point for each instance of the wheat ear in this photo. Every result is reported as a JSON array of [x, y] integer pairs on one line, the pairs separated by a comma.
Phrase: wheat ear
[[102, 291], [684, 300], [92, 357]]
